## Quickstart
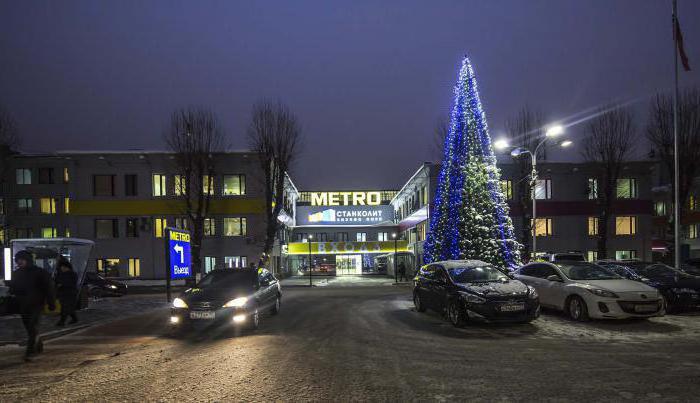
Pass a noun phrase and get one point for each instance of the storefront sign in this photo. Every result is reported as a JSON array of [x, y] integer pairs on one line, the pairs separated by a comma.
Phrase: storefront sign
[[179, 256], [346, 198], [344, 215], [334, 248]]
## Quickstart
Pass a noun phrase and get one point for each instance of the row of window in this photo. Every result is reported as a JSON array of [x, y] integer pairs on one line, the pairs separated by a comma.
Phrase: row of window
[[624, 225], [24, 176], [106, 228], [131, 267], [592, 255], [340, 237], [626, 189], [47, 205], [231, 185]]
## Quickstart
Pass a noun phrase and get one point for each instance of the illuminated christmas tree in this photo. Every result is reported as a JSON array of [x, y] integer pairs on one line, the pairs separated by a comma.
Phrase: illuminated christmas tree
[[470, 216]]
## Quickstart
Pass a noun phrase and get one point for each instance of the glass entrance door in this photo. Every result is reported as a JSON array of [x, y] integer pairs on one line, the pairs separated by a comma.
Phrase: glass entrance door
[[348, 265]]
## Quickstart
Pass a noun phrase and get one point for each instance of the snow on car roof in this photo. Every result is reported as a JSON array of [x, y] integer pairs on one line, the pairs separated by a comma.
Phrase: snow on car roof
[[453, 263]]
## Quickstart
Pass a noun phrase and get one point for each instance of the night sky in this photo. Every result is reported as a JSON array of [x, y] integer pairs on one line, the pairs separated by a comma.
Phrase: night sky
[[368, 80]]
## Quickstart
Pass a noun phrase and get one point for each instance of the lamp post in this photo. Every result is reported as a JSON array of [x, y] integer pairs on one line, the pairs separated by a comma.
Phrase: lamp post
[[396, 260], [311, 236], [516, 152]]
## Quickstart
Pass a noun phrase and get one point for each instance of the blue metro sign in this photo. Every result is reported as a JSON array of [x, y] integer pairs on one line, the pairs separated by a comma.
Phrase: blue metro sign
[[179, 253]]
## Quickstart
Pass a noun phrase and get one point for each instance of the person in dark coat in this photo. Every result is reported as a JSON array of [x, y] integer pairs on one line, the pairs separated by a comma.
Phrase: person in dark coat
[[402, 271], [66, 291], [32, 288]]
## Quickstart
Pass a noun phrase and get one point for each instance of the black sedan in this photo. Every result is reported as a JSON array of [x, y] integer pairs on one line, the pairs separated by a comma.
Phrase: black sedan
[[237, 297], [680, 290], [472, 289], [99, 286]]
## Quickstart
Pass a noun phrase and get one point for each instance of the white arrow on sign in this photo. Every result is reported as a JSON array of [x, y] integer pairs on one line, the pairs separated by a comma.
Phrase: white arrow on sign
[[179, 249]]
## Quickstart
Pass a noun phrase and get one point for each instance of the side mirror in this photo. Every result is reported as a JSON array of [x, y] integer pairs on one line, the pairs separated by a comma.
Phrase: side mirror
[[554, 277]]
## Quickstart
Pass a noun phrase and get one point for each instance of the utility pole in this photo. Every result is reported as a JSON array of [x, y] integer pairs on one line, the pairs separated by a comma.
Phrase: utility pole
[[676, 162]]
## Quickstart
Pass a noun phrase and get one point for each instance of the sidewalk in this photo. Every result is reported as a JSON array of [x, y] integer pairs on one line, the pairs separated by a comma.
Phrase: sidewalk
[[12, 331]]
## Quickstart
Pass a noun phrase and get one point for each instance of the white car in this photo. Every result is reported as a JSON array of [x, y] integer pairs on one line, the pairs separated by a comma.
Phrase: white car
[[585, 290]]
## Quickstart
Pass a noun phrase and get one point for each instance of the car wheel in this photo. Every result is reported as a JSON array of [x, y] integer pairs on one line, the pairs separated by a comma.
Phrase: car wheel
[[456, 314], [418, 302], [577, 309], [277, 305]]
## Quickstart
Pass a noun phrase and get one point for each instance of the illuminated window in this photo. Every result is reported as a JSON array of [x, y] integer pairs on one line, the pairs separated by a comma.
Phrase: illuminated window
[[159, 225], [625, 225], [106, 228], [24, 176], [48, 205], [543, 227], [208, 185], [693, 231], [132, 227], [45, 176], [103, 185], [382, 236], [626, 188], [24, 205], [159, 188], [660, 208], [134, 267], [2, 236], [234, 185], [209, 263], [66, 205], [209, 227], [108, 267], [543, 189], [181, 223], [592, 188], [361, 237], [235, 226], [507, 189], [48, 232], [693, 203], [592, 226], [342, 237], [625, 254], [592, 255], [179, 184], [130, 185], [235, 262], [67, 232], [66, 175]]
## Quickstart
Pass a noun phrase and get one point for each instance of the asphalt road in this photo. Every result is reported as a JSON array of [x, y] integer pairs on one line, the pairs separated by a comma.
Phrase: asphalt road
[[358, 341]]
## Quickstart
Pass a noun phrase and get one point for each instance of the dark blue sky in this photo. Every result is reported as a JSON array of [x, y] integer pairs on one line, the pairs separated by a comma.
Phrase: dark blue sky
[[368, 79]]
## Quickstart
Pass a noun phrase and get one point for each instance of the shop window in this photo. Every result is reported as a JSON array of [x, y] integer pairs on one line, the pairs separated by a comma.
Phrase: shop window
[[361, 237], [626, 188], [625, 254], [625, 225], [693, 231], [209, 263], [106, 228], [159, 187], [209, 227], [543, 226], [130, 185], [48, 232], [208, 185], [159, 225], [24, 205], [108, 267], [47, 205], [24, 176], [179, 184], [66, 205], [234, 185], [660, 208], [103, 185], [132, 227], [543, 189], [235, 262], [134, 267], [45, 176], [235, 226], [592, 255], [592, 226], [507, 189]]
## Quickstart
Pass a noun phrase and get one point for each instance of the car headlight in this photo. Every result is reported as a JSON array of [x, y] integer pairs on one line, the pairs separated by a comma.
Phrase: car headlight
[[684, 291], [602, 293], [236, 303], [531, 292], [472, 298], [179, 303], [112, 286]]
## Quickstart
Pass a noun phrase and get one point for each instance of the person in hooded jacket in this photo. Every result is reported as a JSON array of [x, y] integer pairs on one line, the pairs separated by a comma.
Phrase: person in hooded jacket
[[32, 287], [66, 291]]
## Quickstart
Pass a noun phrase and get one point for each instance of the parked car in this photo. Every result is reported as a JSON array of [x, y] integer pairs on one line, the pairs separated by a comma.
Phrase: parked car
[[568, 256], [585, 290], [471, 289], [691, 266], [679, 289], [98, 286], [228, 297]]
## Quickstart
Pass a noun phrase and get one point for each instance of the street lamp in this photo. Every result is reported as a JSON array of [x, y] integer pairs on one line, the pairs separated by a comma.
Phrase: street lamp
[[396, 276], [502, 144], [311, 236]]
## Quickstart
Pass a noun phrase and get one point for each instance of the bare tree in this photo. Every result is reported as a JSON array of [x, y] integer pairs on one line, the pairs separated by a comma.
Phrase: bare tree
[[525, 130], [442, 128], [660, 133], [195, 137], [9, 142], [275, 135], [609, 142]]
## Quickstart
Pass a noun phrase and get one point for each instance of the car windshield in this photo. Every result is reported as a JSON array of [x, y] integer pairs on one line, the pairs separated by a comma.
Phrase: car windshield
[[476, 274], [587, 271], [228, 278], [621, 270]]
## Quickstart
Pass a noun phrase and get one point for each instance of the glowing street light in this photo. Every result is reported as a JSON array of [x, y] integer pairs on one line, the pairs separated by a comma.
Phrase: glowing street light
[[501, 144], [554, 131], [566, 143]]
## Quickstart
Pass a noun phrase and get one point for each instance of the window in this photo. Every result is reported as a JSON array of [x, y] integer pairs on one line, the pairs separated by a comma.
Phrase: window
[[538, 270], [132, 227], [361, 237], [103, 185], [66, 175], [321, 237], [67, 231], [235, 262], [693, 203], [625, 225], [543, 189], [159, 225], [159, 185], [693, 231], [24, 205], [625, 254], [592, 188], [181, 223], [660, 208], [543, 227], [507, 189], [626, 188], [45, 176], [134, 267], [47, 205], [108, 267], [234, 185], [209, 227], [2, 205], [48, 232], [592, 255], [208, 185], [24, 176], [209, 263], [592, 226], [383, 236], [235, 226], [130, 185], [179, 184], [342, 237], [106, 228], [66, 205]]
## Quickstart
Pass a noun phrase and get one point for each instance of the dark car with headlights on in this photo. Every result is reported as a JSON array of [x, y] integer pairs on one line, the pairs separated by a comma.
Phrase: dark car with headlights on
[[237, 297], [99, 286], [471, 289]]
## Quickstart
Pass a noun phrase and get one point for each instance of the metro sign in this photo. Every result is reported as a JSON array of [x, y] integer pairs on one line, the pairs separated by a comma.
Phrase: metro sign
[[179, 253], [346, 198]]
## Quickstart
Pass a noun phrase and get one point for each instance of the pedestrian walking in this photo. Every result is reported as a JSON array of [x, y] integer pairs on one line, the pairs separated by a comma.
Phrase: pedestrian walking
[[402, 271], [66, 291], [32, 288]]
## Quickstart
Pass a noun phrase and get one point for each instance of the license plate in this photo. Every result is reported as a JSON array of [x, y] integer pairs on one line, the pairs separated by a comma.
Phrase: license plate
[[512, 307], [202, 315], [645, 308]]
